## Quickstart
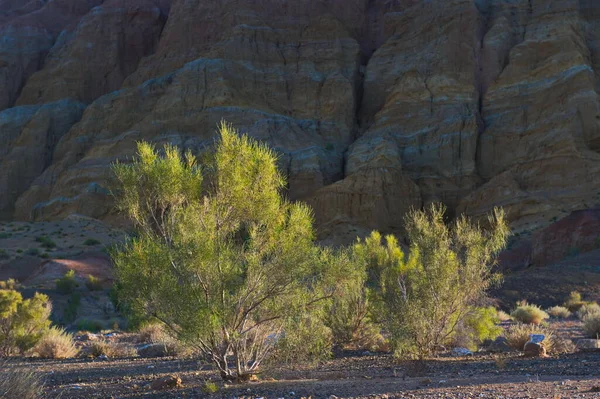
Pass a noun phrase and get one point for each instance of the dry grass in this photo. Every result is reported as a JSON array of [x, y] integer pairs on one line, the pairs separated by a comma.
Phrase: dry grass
[[529, 314], [20, 383], [559, 312], [152, 333], [518, 335], [503, 316], [56, 344], [111, 350], [591, 325], [588, 309]]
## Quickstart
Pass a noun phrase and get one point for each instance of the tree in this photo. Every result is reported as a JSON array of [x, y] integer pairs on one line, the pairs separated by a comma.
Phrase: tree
[[425, 298], [22, 322], [220, 257]]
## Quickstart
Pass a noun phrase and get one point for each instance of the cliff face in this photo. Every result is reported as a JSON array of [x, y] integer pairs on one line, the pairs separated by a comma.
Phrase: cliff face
[[374, 105]]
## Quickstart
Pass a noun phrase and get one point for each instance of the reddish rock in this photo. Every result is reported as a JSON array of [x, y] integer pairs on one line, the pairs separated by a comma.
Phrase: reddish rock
[[578, 232], [533, 349]]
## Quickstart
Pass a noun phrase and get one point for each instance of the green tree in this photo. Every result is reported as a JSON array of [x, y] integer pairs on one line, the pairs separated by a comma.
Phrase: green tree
[[22, 322], [424, 298], [220, 257]]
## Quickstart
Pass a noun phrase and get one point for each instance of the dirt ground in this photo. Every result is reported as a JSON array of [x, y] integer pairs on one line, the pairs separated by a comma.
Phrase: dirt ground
[[358, 376]]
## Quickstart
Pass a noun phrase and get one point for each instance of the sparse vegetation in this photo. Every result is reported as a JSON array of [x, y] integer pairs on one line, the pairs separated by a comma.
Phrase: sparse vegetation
[[590, 308], [591, 325], [518, 335], [4, 255], [111, 349], [574, 302], [66, 284], [90, 325], [91, 242], [22, 321], [20, 383], [72, 308], [559, 312], [230, 250], [209, 387], [46, 242], [424, 299], [529, 313], [93, 283], [56, 343], [32, 252]]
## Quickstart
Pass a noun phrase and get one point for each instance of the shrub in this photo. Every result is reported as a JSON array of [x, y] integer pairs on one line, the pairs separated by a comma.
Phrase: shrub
[[588, 309], [32, 252], [591, 325], [66, 284], [209, 387], [152, 333], [233, 252], [529, 314], [481, 324], [72, 308], [22, 322], [10, 284], [91, 241], [4, 254], [574, 301], [90, 325], [503, 316], [424, 299], [559, 312], [4, 235], [93, 283], [45, 242], [111, 349], [518, 335], [56, 343], [20, 383]]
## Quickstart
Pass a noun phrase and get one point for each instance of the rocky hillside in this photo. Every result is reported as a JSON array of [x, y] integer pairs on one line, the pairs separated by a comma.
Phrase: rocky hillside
[[374, 105]]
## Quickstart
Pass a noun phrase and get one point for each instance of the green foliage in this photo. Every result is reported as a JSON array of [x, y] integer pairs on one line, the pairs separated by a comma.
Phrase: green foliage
[[10, 284], [589, 308], [32, 252], [223, 260], [91, 241], [574, 302], [480, 324], [559, 312], [90, 325], [5, 235], [93, 283], [66, 284], [22, 322], [209, 387], [529, 313], [46, 242], [72, 308], [424, 298]]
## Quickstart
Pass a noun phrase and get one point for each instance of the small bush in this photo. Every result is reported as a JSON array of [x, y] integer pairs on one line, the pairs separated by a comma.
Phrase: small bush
[[480, 325], [10, 284], [4, 254], [91, 241], [503, 316], [19, 383], [111, 349], [72, 308], [591, 325], [93, 283], [46, 242], [587, 310], [5, 235], [89, 325], [574, 301], [152, 333], [529, 314], [518, 335], [56, 344], [32, 252], [67, 283], [559, 312], [209, 387]]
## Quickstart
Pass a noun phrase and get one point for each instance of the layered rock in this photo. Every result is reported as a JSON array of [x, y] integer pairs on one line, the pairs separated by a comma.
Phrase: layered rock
[[375, 106]]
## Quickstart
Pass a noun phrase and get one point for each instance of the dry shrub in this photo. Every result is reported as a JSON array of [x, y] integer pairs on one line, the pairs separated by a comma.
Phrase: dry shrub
[[562, 345], [111, 349], [152, 333], [503, 316], [56, 344], [574, 301], [559, 312], [591, 325], [20, 383], [588, 309], [518, 335], [529, 313], [161, 343]]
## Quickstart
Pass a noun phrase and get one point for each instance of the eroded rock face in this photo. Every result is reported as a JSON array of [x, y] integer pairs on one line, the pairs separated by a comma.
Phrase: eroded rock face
[[375, 106]]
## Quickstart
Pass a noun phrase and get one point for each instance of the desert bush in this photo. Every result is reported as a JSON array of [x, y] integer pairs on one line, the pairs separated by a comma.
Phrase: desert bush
[[10, 284], [32, 252], [150, 333], [574, 302], [562, 345], [209, 387], [590, 308], [528, 313], [72, 309], [46, 242], [227, 263], [503, 316], [20, 383], [518, 335], [4, 255], [67, 283], [111, 349], [93, 283], [22, 322], [56, 343], [423, 299], [90, 325], [91, 241], [559, 312], [479, 325], [591, 325]]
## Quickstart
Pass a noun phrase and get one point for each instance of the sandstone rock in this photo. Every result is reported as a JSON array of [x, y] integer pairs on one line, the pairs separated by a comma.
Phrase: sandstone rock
[[170, 381], [534, 349]]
